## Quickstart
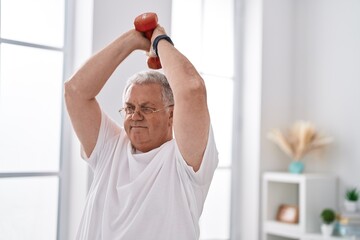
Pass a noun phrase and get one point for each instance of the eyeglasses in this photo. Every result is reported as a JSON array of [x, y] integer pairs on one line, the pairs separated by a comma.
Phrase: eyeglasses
[[130, 110]]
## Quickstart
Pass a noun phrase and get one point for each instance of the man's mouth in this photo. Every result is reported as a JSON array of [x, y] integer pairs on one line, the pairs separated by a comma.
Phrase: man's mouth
[[137, 127]]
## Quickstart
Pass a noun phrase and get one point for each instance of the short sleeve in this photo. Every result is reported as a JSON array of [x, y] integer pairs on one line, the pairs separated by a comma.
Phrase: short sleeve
[[108, 130], [208, 165]]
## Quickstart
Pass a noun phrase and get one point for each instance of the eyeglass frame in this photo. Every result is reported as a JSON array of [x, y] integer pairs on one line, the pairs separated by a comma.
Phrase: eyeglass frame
[[123, 112]]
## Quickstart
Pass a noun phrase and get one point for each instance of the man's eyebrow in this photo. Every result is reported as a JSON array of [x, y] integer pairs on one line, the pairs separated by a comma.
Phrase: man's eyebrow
[[144, 104], [129, 104]]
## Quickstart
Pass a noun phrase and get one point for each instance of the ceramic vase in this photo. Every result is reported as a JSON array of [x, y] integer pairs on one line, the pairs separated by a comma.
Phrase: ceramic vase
[[296, 167], [350, 206], [327, 229]]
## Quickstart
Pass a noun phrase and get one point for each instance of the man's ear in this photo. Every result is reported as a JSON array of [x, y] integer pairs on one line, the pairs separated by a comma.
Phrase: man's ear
[[172, 112], [171, 115]]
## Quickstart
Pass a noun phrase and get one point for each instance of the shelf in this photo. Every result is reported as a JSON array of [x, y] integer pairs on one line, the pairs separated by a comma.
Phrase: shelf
[[286, 177], [282, 229], [311, 193], [318, 236]]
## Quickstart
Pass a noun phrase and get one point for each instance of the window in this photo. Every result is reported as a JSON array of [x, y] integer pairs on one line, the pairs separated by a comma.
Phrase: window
[[32, 50], [205, 36]]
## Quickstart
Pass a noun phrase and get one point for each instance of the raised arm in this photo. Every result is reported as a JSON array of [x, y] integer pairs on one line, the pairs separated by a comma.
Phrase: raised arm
[[191, 115], [86, 83]]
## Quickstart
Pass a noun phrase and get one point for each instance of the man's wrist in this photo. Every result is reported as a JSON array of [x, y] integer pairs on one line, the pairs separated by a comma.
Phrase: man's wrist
[[158, 39]]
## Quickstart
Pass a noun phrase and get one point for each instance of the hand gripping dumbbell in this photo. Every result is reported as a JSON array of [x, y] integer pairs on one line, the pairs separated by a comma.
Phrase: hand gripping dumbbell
[[146, 23]]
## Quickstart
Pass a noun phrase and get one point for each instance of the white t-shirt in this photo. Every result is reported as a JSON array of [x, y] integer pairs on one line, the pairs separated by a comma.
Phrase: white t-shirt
[[144, 196]]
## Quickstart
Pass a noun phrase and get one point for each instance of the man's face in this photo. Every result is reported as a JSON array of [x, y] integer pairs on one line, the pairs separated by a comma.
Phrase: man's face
[[147, 131]]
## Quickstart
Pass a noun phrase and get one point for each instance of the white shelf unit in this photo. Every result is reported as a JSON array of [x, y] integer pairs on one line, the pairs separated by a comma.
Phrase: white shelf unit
[[310, 192], [320, 237]]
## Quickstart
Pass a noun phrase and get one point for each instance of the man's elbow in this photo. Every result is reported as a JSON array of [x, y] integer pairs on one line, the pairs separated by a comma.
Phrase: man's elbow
[[69, 90], [196, 89], [72, 91]]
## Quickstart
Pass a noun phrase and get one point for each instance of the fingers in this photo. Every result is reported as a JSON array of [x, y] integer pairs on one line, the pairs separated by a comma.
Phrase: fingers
[[159, 30], [142, 42], [145, 43], [151, 53]]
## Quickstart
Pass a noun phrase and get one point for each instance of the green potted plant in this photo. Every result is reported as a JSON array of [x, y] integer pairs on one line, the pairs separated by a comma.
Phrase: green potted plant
[[328, 217], [351, 199]]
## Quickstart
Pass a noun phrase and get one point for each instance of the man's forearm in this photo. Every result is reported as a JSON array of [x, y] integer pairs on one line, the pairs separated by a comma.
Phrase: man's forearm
[[87, 82]]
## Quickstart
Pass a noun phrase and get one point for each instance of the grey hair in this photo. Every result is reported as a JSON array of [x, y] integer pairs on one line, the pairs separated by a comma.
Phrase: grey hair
[[148, 77]]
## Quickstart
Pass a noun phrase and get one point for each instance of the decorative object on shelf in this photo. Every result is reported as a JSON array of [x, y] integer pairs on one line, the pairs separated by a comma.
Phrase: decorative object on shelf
[[349, 224], [296, 167], [328, 217], [351, 199], [288, 213], [298, 141]]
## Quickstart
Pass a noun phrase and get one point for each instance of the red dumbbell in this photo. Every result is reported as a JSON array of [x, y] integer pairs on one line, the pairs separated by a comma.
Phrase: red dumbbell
[[146, 23]]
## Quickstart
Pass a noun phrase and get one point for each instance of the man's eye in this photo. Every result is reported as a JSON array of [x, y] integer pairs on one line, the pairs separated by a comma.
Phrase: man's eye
[[146, 110], [129, 110]]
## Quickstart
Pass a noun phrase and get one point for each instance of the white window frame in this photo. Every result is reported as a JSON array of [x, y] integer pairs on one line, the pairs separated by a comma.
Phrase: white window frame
[[63, 173]]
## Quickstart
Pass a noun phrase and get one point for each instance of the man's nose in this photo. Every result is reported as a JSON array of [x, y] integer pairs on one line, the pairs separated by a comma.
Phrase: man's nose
[[137, 115]]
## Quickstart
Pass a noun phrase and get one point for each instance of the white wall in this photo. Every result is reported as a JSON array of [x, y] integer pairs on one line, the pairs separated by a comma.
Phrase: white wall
[[327, 75], [311, 59]]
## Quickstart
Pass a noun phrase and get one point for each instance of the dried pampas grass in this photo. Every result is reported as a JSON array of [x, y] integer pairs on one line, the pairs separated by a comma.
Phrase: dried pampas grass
[[299, 140]]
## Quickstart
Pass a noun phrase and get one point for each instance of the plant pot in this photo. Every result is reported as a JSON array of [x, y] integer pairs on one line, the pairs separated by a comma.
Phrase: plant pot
[[350, 206], [327, 229], [296, 167]]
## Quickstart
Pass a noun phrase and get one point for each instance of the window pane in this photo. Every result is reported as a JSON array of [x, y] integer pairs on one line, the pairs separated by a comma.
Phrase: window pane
[[218, 38], [28, 208], [186, 30], [30, 109], [40, 21], [220, 98], [205, 36], [215, 220]]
